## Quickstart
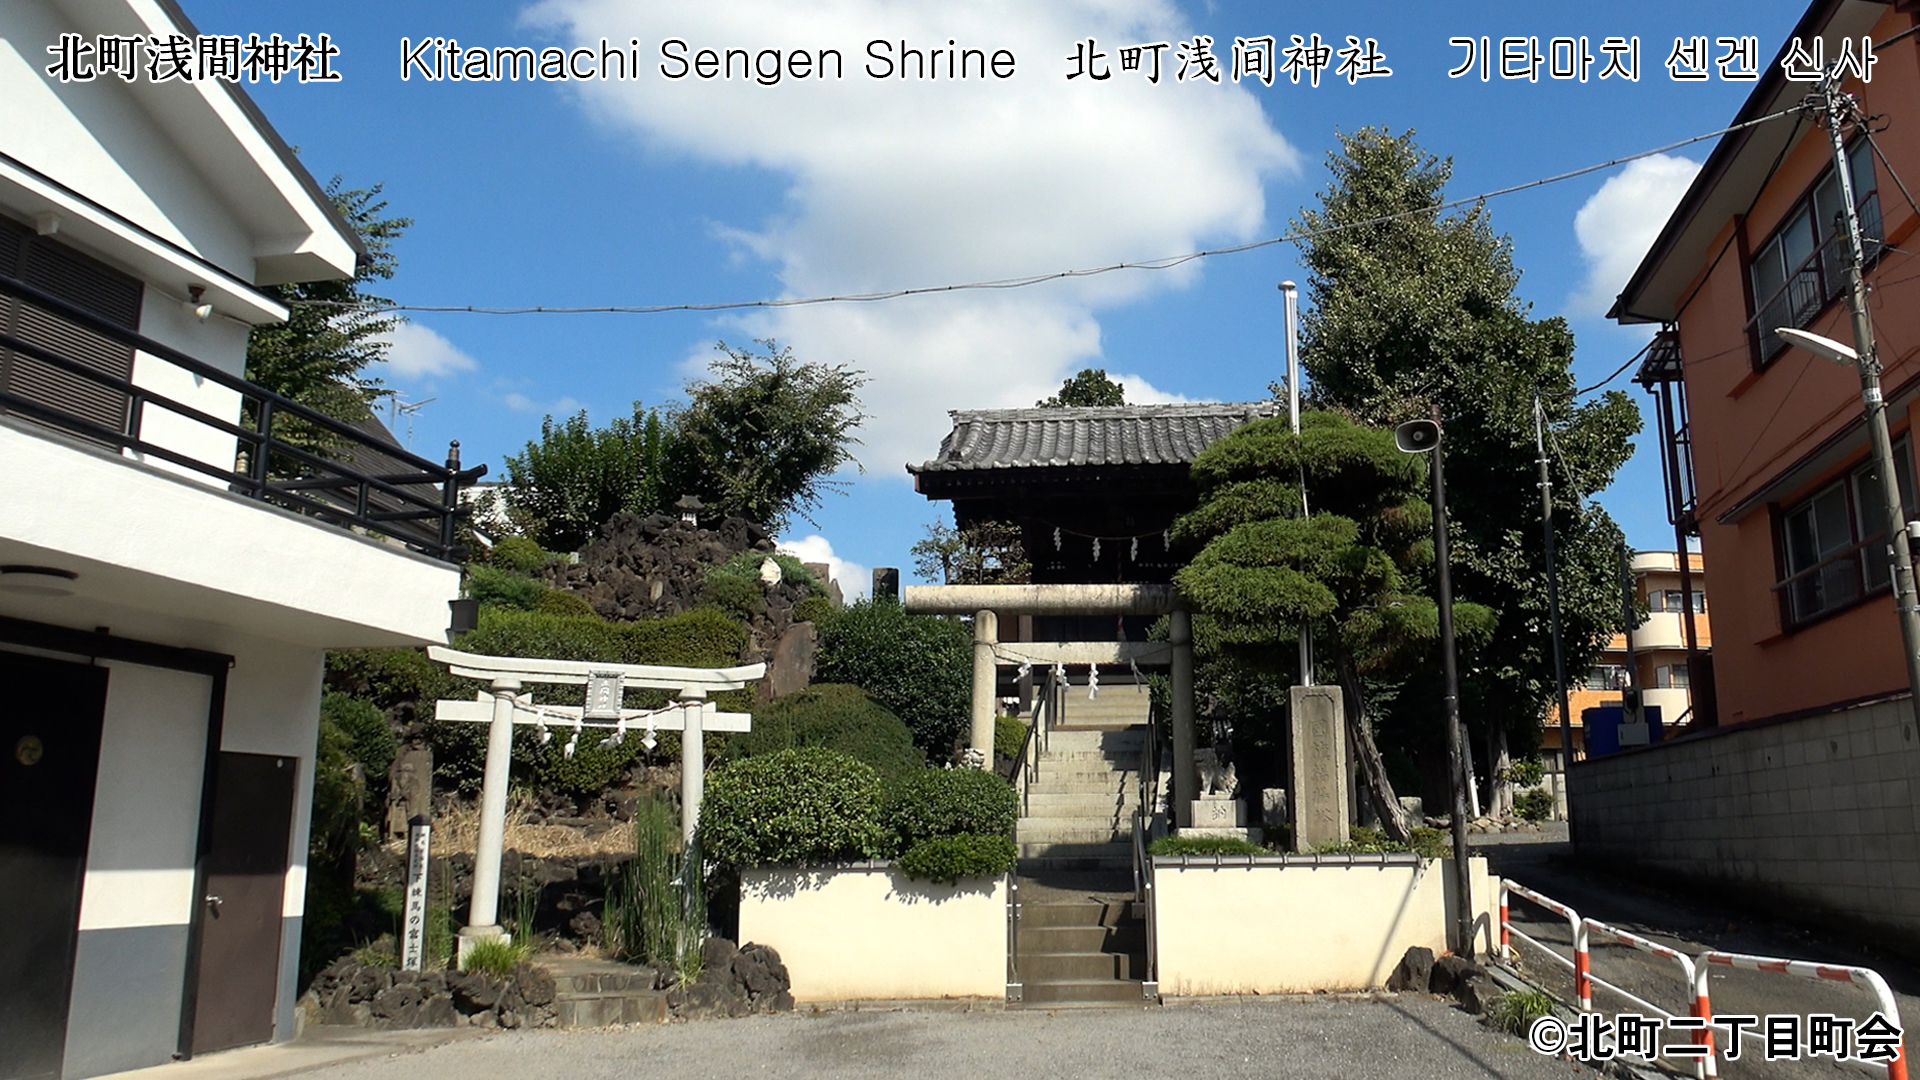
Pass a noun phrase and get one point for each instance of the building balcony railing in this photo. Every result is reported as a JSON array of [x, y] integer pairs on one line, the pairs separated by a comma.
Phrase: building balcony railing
[[1662, 630], [282, 452]]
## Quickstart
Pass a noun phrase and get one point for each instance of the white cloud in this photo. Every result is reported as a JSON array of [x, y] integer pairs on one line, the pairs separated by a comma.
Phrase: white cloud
[[855, 580], [1620, 222], [895, 183], [561, 409], [417, 352]]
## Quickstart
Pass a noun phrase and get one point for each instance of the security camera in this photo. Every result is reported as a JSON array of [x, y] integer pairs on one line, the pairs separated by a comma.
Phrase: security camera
[[1417, 436]]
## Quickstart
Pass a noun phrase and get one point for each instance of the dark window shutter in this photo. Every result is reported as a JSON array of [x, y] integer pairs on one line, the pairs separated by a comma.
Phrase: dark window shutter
[[87, 284]]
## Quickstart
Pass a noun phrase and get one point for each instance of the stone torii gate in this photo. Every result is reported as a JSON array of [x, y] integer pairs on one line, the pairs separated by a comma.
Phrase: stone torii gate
[[987, 602], [691, 715]]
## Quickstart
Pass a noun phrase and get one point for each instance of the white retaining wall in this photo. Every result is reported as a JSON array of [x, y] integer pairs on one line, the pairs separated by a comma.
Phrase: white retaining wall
[[1819, 813], [870, 932], [1264, 926]]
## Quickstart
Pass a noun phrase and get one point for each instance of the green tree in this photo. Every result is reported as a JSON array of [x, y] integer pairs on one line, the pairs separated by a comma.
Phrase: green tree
[[1354, 571], [562, 488], [320, 355], [1090, 387], [1412, 310], [985, 553], [762, 436]]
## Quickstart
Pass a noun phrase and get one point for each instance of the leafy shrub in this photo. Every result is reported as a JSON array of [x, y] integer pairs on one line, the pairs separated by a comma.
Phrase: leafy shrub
[[1204, 845], [919, 666], [503, 588], [562, 602], [735, 585], [1516, 1010], [935, 803], [813, 609], [839, 718], [519, 554], [1009, 735], [1535, 805], [1526, 772], [947, 859], [805, 806], [390, 677], [496, 955], [370, 740]]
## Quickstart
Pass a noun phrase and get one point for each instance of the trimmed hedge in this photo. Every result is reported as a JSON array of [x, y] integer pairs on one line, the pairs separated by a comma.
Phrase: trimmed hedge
[[520, 554], [807, 806], [1009, 735], [919, 666], [496, 588], [936, 803], [369, 738], [947, 859], [839, 718]]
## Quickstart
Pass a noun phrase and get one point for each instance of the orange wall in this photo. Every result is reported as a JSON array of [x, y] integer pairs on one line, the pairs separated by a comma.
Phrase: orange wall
[[1749, 426]]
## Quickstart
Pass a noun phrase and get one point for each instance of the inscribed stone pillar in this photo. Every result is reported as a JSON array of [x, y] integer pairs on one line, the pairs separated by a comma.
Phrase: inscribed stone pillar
[[1318, 787], [986, 633], [1185, 775]]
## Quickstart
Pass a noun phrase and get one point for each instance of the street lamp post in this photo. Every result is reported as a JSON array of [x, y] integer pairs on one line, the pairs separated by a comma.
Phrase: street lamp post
[[1424, 437]]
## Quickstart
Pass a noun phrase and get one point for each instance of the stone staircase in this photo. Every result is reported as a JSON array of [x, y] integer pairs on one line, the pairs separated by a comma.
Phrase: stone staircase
[[1081, 944]]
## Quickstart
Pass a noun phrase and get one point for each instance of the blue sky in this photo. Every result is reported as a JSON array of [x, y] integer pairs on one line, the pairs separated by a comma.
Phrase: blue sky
[[655, 191]]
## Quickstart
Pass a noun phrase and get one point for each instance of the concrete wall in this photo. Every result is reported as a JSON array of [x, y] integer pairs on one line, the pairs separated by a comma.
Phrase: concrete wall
[[1813, 815], [1261, 926], [862, 933]]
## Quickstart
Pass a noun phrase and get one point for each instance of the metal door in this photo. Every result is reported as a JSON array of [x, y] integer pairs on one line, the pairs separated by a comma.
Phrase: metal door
[[241, 910], [51, 713]]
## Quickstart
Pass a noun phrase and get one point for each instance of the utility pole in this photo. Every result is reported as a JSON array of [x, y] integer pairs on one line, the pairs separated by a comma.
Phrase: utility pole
[[1553, 591], [1839, 109], [1289, 291]]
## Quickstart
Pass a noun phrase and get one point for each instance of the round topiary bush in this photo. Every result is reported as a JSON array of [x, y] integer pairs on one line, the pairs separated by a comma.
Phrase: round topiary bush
[[947, 859], [935, 803], [807, 806], [839, 718], [919, 666]]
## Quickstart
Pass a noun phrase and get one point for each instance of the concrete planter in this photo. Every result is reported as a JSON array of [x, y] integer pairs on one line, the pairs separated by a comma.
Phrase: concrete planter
[[869, 932], [1294, 924]]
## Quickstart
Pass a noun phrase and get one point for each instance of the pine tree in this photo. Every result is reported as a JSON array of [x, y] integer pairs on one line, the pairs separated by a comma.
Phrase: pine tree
[[1410, 310]]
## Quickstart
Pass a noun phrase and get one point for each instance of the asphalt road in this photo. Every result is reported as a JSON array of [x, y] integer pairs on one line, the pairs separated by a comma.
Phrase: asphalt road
[[1418, 1038], [1691, 921]]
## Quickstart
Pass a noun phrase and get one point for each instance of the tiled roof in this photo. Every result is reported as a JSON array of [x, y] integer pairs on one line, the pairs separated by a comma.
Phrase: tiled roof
[[1122, 435]]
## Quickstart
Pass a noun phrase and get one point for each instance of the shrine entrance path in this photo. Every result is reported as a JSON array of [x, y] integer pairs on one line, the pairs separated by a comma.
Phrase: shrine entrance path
[[1420, 1038]]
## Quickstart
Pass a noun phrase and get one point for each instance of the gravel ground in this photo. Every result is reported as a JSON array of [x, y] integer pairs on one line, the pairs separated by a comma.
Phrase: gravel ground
[[1417, 1037]]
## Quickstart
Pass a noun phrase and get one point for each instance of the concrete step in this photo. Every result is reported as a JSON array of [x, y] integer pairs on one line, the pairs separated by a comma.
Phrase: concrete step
[[1051, 802], [1088, 912], [1035, 830], [1050, 858], [1129, 739], [1096, 759], [1080, 967], [1042, 886], [1085, 994], [602, 993], [1059, 940], [1079, 833], [1115, 780]]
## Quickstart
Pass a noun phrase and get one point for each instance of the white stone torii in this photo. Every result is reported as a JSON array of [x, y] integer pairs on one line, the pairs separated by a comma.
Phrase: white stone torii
[[984, 601], [505, 675]]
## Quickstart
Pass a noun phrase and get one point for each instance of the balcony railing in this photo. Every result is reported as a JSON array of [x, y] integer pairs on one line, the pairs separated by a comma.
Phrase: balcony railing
[[1817, 281], [284, 453]]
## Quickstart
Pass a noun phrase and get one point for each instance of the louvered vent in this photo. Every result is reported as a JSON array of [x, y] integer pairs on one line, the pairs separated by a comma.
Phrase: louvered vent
[[85, 283]]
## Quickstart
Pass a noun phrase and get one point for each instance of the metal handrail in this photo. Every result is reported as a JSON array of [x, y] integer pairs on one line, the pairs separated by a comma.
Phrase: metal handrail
[[249, 475], [1026, 770], [1143, 883]]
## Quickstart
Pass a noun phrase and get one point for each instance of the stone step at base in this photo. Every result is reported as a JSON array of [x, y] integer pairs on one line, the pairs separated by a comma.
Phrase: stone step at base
[[1088, 912], [1085, 994], [590, 993], [1129, 936]]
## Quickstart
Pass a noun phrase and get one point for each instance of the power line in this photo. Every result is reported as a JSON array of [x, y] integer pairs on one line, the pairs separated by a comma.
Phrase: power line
[[1165, 263], [1616, 371]]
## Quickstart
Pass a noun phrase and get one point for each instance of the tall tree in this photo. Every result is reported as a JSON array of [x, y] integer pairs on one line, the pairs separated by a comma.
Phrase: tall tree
[[763, 435], [985, 553], [1353, 572], [1090, 387], [1412, 310], [319, 357], [562, 488]]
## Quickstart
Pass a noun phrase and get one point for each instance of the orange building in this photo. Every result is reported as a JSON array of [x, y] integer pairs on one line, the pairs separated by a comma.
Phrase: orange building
[[1658, 664], [1770, 440]]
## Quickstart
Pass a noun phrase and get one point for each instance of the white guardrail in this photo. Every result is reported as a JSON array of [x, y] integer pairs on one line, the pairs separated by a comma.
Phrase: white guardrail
[[1693, 972]]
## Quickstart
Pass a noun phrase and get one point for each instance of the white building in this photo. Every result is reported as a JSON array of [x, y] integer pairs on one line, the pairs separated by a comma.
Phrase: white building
[[166, 589]]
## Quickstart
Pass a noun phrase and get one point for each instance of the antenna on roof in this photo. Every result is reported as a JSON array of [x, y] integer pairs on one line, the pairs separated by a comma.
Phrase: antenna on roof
[[397, 408]]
